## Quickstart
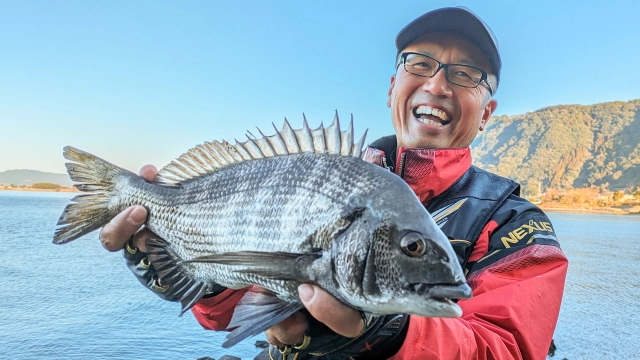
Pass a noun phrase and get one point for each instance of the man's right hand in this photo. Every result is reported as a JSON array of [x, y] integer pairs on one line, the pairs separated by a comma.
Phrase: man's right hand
[[119, 230], [126, 225]]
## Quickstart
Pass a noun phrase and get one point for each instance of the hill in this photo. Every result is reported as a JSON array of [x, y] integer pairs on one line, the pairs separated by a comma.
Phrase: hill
[[566, 146], [557, 147], [29, 177]]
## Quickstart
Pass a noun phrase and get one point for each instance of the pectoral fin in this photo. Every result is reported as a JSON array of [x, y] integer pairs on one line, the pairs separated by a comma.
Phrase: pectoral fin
[[257, 312], [179, 284], [274, 265]]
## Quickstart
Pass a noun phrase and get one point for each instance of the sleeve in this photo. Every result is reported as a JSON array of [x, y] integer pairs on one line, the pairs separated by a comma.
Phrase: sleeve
[[214, 313], [517, 279]]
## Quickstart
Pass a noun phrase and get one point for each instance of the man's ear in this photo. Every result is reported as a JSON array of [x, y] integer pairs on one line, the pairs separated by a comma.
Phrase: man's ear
[[393, 82], [488, 110]]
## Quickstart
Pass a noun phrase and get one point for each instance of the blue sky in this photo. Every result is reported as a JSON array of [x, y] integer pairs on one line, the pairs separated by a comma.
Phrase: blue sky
[[139, 82]]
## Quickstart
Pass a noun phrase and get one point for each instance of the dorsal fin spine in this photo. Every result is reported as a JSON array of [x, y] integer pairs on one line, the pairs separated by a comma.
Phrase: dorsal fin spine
[[332, 136], [357, 152], [319, 141], [346, 139], [224, 152], [242, 151], [197, 163], [265, 145], [253, 149], [167, 178], [208, 146], [278, 143], [290, 138], [215, 152], [304, 137], [178, 165], [172, 172], [212, 156], [233, 152], [208, 160]]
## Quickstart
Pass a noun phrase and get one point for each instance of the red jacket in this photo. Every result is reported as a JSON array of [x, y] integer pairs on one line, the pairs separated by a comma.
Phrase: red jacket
[[517, 275]]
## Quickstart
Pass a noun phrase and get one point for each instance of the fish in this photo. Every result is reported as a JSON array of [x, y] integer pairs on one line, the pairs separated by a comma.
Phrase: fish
[[300, 206]]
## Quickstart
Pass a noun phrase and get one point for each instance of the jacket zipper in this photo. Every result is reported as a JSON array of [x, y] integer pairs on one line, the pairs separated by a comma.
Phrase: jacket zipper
[[401, 166], [384, 164]]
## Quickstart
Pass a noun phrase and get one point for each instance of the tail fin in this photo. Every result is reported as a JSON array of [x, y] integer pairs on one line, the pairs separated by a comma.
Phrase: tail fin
[[89, 211]]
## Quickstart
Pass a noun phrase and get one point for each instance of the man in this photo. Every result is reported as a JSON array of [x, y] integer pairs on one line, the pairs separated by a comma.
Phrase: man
[[441, 95]]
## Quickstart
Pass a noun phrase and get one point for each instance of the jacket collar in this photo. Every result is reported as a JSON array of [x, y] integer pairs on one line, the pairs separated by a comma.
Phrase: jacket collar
[[429, 172]]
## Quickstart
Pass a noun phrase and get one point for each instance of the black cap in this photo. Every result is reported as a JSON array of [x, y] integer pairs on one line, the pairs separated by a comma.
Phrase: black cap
[[459, 20]]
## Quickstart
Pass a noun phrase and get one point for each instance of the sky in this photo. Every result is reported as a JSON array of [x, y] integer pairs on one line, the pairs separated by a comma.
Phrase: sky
[[141, 82]]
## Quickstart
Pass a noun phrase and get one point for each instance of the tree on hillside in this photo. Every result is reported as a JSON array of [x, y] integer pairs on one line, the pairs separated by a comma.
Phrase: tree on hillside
[[530, 188], [567, 146], [618, 195]]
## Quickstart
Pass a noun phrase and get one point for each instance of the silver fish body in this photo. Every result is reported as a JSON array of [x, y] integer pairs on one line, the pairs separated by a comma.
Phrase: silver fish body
[[353, 228]]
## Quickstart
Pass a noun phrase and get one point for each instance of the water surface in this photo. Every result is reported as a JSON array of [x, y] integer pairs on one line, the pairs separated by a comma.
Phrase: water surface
[[76, 301]]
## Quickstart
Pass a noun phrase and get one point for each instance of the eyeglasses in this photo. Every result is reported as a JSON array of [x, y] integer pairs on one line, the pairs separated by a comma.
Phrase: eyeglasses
[[461, 75]]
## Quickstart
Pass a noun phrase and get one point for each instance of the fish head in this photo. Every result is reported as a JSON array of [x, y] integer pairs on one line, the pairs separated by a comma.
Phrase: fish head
[[402, 260]]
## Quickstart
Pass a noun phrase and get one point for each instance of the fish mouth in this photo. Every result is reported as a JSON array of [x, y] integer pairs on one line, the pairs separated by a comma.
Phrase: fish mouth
[[444, 292]]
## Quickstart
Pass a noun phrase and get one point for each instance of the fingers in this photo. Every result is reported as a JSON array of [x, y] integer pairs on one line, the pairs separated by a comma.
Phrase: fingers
[[331, 312], [141, 237], [325, 308], [148, 172], [118, 231], [288, 332]]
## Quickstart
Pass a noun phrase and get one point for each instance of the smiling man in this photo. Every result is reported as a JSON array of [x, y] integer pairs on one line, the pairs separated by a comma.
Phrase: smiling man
[[436, 113], [447, 71]]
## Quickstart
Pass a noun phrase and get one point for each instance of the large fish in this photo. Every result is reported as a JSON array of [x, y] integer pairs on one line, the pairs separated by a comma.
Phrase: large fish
[[300, 206]]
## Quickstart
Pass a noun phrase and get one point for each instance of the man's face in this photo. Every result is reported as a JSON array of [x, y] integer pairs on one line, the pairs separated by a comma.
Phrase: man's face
[[457, 113]]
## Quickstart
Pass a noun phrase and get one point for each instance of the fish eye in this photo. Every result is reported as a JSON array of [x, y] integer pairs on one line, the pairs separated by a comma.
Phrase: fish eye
[[413, 244]]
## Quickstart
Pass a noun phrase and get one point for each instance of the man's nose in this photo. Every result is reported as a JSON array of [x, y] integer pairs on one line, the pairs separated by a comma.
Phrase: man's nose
[[438, 84]]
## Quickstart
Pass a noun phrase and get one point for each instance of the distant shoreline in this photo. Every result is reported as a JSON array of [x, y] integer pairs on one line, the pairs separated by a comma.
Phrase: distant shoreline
[[547, 208], [42, 190], [610, 211]]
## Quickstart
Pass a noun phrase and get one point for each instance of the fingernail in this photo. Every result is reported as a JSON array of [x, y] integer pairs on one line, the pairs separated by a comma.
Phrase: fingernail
[[305, 292], [137, 216]]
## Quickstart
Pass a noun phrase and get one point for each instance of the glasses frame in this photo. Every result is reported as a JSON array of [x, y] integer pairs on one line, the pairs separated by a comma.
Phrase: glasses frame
[[444, 66]]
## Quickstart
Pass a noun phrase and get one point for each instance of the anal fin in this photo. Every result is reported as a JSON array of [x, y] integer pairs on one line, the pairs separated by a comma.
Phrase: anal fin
[[256, 312], [180, 285]]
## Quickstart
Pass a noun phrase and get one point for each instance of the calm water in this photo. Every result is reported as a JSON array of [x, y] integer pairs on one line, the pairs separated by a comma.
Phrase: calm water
[[77, 301]]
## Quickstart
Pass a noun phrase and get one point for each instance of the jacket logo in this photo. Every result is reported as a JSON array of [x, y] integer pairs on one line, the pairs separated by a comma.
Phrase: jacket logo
[[526, 229], [442, 216]]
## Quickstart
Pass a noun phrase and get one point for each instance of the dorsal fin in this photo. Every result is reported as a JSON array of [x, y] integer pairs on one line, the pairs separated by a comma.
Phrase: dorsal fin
[[212, 156]]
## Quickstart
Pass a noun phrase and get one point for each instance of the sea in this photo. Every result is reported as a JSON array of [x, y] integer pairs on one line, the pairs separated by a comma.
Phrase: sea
[[78, 301]]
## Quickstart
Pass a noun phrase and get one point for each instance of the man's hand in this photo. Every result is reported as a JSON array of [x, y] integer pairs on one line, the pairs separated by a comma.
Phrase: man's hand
[[322, 306], [116, 233]]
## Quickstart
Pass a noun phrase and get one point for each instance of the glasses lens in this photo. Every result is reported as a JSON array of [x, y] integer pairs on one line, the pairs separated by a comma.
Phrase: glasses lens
[[420, 65], [466, 76]]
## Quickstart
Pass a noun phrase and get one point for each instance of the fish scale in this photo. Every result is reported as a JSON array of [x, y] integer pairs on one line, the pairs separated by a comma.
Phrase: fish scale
[[297, 207], [256, 191]]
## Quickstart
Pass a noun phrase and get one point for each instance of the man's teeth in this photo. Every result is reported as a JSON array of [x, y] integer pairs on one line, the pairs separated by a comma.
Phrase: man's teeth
[[430, 122], [428, 110]]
